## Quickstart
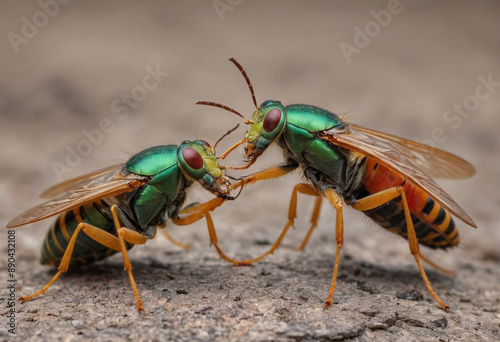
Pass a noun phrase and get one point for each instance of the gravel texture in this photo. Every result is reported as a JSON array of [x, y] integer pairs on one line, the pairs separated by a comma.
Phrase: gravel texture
[[85, 70]]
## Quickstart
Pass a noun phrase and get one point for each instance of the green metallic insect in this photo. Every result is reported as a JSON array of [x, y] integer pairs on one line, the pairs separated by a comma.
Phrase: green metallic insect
[[122, 205], [388, 178]]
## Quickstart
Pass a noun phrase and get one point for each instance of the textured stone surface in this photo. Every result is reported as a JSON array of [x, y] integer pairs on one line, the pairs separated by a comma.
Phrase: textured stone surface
[[71, 76]]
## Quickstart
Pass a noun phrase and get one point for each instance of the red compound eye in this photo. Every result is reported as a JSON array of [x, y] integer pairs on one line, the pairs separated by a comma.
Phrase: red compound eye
[[192, 158], [272, 120]]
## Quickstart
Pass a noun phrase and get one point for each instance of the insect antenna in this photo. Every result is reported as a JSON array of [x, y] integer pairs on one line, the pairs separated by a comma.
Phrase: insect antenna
[[229, 109], [226, 134], [247, 79], [224, 155]]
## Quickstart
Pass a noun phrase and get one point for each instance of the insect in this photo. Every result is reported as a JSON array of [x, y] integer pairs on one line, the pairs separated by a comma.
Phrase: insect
[[386, 177], [122, 206]]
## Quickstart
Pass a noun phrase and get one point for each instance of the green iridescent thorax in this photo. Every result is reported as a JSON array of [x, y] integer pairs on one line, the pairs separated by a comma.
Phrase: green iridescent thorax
[[153, 160], [172, 169], [313, 119], [302, 138], [160, 163]]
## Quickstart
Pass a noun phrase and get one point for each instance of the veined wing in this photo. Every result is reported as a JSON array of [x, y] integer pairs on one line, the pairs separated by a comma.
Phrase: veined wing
[[100, 185], [433, 161], [399, 159], [62, 187]]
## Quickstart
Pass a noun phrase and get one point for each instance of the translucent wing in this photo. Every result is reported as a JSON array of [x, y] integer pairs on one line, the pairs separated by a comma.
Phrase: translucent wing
[[434, 162], [62, 187], [400, 158], [108, 182]]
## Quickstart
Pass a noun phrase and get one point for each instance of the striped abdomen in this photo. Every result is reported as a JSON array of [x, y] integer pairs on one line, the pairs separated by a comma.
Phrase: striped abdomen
[[86, 249], [433, 224]]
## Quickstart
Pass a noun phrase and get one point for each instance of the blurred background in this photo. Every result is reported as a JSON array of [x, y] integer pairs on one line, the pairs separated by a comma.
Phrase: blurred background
[[86, 84]]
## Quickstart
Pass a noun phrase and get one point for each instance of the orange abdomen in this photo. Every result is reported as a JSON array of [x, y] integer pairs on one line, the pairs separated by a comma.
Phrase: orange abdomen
[[433, 224]]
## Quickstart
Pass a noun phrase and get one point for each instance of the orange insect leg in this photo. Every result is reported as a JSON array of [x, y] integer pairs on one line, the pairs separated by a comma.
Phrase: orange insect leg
[[106, 239], [377, 199]]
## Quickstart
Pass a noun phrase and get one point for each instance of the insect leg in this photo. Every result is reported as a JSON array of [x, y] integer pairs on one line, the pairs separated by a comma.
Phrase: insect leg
[[451, 273], [170, 238], [271, 173], [99, 235], [204, 210], [198, 211], [303, 188], [263, 175], [64, 264], [131, 236], [379, 198], [314, 223], [213, 240], [201, 210], [336, 202]]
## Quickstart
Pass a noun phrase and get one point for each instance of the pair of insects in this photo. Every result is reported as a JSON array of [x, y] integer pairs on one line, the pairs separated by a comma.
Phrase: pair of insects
[[388, 178]]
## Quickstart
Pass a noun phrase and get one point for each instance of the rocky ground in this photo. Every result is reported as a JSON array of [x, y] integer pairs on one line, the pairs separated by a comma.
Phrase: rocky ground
[[86, 84]]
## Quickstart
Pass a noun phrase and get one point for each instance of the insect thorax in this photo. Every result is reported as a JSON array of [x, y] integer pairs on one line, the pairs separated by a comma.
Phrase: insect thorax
[[125, 212], [128, 211], [347, 183]]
